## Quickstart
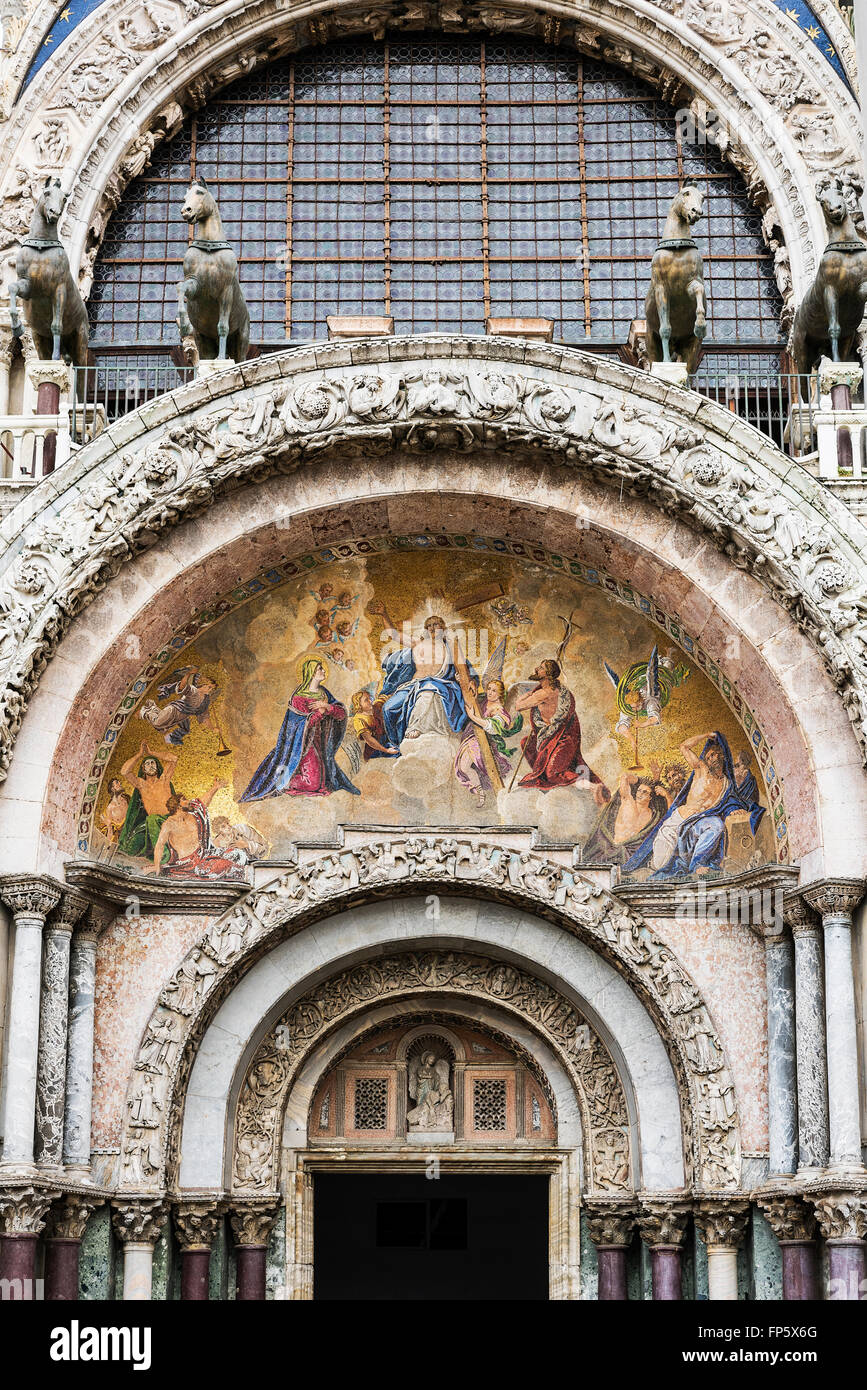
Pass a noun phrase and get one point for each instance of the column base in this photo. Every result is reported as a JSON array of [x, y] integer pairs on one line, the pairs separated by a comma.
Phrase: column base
[[675, 373]]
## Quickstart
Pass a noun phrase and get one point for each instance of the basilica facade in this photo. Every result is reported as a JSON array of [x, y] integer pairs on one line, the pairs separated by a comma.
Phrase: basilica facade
[[433, 651]]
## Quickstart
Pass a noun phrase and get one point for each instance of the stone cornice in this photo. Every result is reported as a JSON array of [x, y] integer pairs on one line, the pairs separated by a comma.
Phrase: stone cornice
[[690, 899], [114, 888]]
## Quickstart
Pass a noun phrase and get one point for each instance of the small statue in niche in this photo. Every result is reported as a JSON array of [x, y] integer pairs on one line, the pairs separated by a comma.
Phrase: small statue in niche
[[211, 304], [675, 308], [429, 1088], [828, 318]]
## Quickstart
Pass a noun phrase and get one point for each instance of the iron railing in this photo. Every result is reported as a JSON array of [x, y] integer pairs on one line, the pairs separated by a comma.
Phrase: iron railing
[[115, 385]]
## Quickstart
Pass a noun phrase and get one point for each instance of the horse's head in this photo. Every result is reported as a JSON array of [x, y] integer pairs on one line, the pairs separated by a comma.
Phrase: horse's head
[[690, 203], [833, 202], [199, 202], [52, 201]]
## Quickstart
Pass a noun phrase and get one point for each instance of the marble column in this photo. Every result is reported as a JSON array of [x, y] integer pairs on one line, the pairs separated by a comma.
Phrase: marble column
[[22, 1217], [137, 1224], [196, 1228], [662, 1226], [251, 1227], [53, 1019], [722, 1226], [79, 1053], [836, 899], [30, 900], [782, 1066], [63, 1235], [842, 1217], [611, 1227], [794, 1226], [809, 1035]]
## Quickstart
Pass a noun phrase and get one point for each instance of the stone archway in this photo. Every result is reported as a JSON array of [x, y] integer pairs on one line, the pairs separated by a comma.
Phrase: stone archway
[[172, 1044]]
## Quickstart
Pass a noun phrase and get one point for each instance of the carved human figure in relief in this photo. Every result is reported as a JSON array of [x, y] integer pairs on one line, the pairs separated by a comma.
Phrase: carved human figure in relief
[[429, 1088]]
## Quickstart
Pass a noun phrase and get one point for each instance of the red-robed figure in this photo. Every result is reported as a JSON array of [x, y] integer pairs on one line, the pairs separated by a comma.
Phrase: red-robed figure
[[553, 749]]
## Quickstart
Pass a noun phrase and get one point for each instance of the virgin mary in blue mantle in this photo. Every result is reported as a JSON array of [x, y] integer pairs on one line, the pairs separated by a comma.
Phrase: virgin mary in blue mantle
[[701, 840], [302, 762]]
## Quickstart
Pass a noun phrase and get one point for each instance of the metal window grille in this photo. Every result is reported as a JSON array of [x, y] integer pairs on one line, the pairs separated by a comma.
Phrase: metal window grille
[[371, 1102], [441, 180], [489, 1105]]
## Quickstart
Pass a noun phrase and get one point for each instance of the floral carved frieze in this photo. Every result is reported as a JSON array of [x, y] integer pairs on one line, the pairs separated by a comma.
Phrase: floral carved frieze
[[288, 410], [311, 890], [275, 1063]]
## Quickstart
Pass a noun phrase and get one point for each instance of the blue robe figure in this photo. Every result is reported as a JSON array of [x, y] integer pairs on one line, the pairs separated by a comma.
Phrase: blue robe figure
[[400, 691], [701, 840], [302, 761]]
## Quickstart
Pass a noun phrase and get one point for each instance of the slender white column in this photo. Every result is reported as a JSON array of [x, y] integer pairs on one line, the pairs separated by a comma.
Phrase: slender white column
[[79, 1055], [722, 1226], [137, 1224], [30, 900], [810, 1036], [836, 899], [53, 1018]]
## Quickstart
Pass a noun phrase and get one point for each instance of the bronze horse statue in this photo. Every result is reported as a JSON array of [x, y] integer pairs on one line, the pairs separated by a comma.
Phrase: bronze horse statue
[[828, 319], [674, 309], [211, 303], [53, 306]]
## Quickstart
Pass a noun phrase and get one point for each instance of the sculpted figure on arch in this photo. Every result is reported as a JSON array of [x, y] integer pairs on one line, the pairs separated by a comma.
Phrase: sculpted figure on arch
[[830, 314], [53, 307], [211, 304], [675, 307]]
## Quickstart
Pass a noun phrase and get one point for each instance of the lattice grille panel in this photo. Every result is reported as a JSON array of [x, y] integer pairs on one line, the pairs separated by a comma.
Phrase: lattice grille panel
[[441, 180], [371, 1102], [489, 1104]]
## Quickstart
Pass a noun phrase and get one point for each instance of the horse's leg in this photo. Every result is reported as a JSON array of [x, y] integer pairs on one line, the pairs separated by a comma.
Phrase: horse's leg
[[223, 321], [664, 321], [830, 296], [18, 289], [186, 287], [57, 321]]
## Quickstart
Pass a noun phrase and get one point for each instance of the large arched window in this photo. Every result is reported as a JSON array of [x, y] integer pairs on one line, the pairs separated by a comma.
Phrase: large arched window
[[439, 180]]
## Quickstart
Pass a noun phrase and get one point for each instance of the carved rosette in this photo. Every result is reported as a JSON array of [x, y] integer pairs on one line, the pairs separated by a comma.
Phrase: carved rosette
[[842, 1216], [30, 898], [610, 1227], [275, 1063], [663, 1223], [69, 1217], [138, 1221], [196, 1223], [789, 1217], [22, 1212], [835, 898], [722, 1223], [252, 1222], [261, 918]]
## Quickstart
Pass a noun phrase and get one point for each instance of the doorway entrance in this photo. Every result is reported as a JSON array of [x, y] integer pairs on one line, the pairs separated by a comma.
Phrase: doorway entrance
[[401, 1237]]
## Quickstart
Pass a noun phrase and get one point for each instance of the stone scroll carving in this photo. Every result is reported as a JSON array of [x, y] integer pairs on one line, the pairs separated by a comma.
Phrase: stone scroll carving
[[134, 482], [276, 1061], [258, 921]]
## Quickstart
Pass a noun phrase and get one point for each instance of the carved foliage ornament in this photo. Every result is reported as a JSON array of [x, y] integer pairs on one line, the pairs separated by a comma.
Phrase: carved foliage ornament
[[258, 921], [121, 505], [275, 1064]]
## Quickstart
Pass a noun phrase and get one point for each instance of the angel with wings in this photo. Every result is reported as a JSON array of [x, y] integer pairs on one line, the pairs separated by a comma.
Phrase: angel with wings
[[429, 1088]]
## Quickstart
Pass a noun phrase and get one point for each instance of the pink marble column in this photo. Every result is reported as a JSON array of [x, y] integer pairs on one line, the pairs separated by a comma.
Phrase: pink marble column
[[196, 1228], [662, 1226], [842, 1216], [793, 1223], [63, 1235], [610, 1226], [22, 1217], [251, 1226]]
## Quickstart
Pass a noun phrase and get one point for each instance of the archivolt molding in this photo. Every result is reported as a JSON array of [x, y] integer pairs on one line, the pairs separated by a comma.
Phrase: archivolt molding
[[129, 73], [418, 864], [275, 1064], [281, 412]]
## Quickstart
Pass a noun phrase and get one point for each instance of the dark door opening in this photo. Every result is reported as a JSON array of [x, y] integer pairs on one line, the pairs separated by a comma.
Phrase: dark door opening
[[385, 1236]]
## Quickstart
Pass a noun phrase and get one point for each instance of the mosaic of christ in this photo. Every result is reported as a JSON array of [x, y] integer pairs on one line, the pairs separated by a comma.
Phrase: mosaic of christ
[[433, 689]]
